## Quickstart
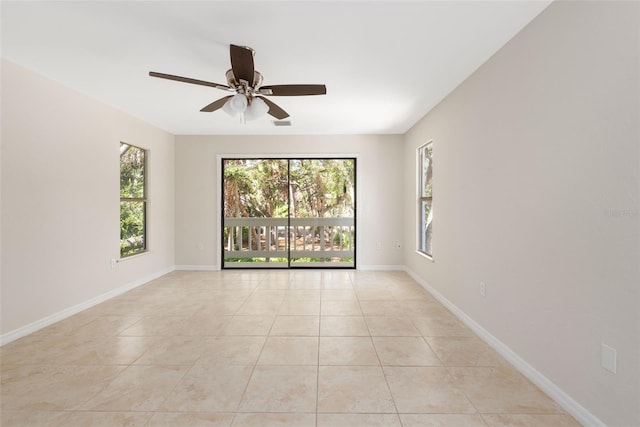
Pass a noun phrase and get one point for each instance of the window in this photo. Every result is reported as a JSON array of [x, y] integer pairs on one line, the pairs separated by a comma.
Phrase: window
[[425, 198], [133, 200]]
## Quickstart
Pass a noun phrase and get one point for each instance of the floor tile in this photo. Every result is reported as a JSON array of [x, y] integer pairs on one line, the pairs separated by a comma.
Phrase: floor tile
[[443, 420], [340, 308], [176, 350], [248, 325], [39, 349], [343, 326], [266, 284], [274, 420], [281, 389], [137, 388], [69, 325], [265, 303], [203, 325], [426, 390], [79, 350], [33, 418], [105, 326], [422, 306], [108, 419], [358, 420], [502, 390], [347, 351], [381, 308], [300, 306], [529, 420], [391, 326], [232, 350], [353, 389], [195, 419], [374, 295], [445, 325], [158, 326], [104, 351], [290, 351], [296, 326], [405, 351], [209, 387], [339, 294], [464, 351], [53, 387], [306, 285]]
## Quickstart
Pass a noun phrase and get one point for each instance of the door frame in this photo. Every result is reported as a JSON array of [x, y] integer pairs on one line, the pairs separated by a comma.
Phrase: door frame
[[289, 156]]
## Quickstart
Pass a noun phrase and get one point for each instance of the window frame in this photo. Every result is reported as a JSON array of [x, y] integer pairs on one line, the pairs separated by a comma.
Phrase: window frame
[[144, 200], [424, 244]]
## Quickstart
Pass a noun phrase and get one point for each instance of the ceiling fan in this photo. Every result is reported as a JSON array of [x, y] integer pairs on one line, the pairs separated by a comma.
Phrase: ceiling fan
[[249, 100]]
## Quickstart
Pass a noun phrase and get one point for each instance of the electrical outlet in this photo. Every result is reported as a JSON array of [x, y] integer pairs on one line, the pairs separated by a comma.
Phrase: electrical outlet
[[483, 289], [114, 262]]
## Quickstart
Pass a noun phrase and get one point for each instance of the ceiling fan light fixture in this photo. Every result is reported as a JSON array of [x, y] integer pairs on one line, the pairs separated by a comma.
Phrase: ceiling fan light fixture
[[236, 104], [257, 109]]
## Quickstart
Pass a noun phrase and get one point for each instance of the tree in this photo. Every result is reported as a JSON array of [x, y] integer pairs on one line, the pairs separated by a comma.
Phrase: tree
[[132, 200]]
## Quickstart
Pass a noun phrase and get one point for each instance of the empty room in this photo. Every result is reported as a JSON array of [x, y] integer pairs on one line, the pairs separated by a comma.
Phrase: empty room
[[320, 213]]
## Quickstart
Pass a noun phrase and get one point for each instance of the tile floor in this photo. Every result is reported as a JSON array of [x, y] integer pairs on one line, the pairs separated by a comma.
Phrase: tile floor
[[267, 348]]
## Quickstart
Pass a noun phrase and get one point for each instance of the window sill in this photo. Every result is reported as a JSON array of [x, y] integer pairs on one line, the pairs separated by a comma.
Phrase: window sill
[[422, 254], [138, 255]]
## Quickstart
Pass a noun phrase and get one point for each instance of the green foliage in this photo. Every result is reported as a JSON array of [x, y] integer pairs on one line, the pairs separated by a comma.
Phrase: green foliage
[[132, 200], [132, 172], [312, 188]]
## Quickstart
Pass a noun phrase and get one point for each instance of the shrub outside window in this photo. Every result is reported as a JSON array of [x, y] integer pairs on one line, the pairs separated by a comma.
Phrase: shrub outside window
[[133, 200]]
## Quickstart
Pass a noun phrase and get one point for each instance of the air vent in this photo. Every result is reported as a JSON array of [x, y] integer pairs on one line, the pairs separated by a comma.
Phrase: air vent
[[281, 122]]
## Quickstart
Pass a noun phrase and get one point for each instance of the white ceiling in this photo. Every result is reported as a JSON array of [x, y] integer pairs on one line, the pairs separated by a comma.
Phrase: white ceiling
[[385, 63]]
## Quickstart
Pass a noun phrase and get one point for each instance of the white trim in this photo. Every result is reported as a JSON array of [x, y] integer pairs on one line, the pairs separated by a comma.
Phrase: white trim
[[381, 267], [578, 411], [197, 267], [70, 311], [424, 255]]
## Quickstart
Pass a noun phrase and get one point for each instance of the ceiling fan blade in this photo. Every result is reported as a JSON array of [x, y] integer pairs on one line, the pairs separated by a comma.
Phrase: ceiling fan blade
[[293, 90], [274, 110], [188, 80], [216, 104], [242, 63]]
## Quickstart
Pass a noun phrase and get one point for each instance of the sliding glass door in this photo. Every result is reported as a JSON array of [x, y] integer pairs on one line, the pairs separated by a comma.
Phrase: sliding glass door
[[288, 213]]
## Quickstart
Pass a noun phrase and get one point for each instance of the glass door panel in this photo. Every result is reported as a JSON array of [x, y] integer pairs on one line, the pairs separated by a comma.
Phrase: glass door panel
[[322, 207], [280, 213], [256, 210]]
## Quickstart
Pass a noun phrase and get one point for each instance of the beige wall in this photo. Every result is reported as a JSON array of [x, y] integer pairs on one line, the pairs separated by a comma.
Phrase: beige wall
[[536, 187], [60, 198], [379, 203]]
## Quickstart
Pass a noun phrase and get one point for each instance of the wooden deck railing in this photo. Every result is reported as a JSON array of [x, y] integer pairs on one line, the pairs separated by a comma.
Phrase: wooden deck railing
[[326, 239]]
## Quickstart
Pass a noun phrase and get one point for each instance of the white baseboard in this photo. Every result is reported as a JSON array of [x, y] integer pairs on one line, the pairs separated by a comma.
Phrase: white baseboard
[[381, 268], [201, 267], [197, 267], [68, 312], [578, 411]]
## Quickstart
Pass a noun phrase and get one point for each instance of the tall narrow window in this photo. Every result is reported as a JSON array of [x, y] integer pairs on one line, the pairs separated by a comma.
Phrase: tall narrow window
[[425, 198], [133, 200]]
